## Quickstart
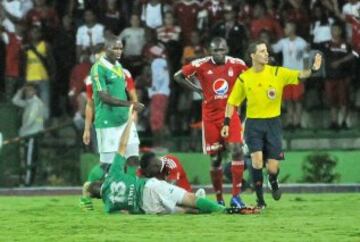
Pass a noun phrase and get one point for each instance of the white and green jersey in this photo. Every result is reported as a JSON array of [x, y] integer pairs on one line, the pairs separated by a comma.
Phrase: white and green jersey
[[121, 191], [108, 77]]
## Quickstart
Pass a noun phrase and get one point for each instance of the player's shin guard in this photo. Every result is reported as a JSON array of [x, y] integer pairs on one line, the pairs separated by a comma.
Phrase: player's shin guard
[[216, 178], [237, 170], [257, 175], [273, 180], [206, 206]]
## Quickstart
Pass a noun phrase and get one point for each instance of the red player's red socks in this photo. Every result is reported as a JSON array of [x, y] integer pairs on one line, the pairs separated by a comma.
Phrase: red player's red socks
[[237, 170], [216, 178]]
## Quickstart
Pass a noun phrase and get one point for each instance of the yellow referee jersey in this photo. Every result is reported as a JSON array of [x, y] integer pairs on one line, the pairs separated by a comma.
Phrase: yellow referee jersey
[[263, 90]]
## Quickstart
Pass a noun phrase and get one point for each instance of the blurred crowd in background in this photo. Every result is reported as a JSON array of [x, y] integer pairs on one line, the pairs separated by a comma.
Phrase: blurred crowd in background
[[47, 49]]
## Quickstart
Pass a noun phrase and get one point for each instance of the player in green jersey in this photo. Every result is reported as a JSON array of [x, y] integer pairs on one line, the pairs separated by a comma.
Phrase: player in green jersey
[[111, 104], [121, 191], [111, 109]]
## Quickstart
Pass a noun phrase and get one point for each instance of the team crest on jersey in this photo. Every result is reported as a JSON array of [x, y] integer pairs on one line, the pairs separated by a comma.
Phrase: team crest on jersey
[[271, 93], [231, 72], [210, 72], [220, 87]]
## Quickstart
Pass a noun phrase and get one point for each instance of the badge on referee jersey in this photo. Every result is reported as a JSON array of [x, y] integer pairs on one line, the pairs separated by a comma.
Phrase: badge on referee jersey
[[271, 93]]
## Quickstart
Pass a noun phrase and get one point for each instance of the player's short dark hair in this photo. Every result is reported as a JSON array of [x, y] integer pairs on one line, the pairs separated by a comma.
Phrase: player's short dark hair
[[253, 46], [110, 41], [145, 159], [95, 189], [149, 169]]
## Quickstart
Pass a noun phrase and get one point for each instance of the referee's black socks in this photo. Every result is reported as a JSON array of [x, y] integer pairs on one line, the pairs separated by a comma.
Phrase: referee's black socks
[[273, 181], [257, 175]]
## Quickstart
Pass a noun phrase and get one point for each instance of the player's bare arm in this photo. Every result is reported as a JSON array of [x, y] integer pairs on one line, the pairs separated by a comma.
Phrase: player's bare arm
[[229, 110], [125, 136], [134, 98], [315, 67], [89, 114], [110, 100], [182, 80]]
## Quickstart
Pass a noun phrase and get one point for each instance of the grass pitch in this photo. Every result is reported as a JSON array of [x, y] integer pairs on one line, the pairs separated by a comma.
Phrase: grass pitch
[[296, 217]]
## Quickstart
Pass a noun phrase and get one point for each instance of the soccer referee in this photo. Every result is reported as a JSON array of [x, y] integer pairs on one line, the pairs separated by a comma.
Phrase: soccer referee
[[262, 86]]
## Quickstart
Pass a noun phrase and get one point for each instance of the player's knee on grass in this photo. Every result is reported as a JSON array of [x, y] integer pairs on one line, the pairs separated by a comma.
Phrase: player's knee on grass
[[257, 160], [215, 161]]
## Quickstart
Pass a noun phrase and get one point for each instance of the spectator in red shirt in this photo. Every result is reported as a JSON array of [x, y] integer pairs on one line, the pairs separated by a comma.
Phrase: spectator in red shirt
[[262, 21], [186, 12], [338, 55], [44, 16], [13, 75], [214, 11], [76, 81]]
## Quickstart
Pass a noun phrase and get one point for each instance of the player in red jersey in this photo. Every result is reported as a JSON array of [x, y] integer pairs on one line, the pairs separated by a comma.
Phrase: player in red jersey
[[173, 172], [217, 74]]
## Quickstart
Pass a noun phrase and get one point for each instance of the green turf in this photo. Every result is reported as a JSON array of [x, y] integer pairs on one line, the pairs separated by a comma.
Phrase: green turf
[[300, 217], [197, 166]]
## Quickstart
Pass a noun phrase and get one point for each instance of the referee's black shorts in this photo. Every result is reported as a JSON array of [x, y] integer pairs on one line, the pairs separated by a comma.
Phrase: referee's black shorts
[[264, 135]]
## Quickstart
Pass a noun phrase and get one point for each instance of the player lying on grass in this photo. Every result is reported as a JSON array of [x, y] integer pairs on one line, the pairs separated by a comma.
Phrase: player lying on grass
[[173, 172], [121, 191]]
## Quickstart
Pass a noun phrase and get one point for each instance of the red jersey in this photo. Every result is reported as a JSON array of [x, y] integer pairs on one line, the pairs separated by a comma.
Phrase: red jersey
[[216, 82], [215, 9], [77, 77], [13, 54], [186, 14], [130, 84], [266, 23], [176, 172], [48, 15], [355, 26]]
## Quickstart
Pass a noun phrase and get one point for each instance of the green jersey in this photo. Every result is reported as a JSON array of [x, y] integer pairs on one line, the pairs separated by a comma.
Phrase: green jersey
[[121, 191], [110, 78]]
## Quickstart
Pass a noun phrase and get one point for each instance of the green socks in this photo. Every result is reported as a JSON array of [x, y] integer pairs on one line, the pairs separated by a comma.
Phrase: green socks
[[207, 206], [86, 203]]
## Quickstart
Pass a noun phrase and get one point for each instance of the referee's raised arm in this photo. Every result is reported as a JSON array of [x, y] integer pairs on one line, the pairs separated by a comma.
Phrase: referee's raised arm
[[315, 67]]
